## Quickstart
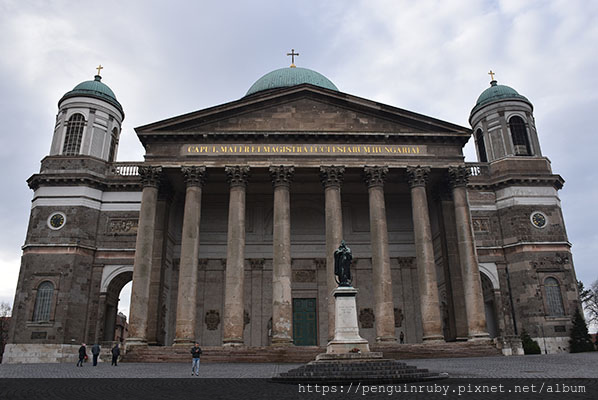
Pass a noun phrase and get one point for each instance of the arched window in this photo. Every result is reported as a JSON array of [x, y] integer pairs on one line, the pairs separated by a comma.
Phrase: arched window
[[479, 139], [554, 300], [43, 301], [113, 144], [74, 134], [519, 136]]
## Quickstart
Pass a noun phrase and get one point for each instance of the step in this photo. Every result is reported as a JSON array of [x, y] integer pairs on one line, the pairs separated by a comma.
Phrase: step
[[303, 354]]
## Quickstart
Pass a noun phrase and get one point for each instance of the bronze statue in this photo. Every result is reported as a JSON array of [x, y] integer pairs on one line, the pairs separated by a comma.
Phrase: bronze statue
[[342, 265]]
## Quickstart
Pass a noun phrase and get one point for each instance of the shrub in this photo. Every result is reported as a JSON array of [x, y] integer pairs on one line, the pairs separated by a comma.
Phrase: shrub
[[529, 346]]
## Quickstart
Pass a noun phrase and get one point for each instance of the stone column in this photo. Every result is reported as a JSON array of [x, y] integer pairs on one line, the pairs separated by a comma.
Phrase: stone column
[[150, 178], [101, 320], [154, 336], [282, 300], [384, 307], [472, 285], [424, 252], [332, 179], [233, 321], [186, 309], [452, 264]]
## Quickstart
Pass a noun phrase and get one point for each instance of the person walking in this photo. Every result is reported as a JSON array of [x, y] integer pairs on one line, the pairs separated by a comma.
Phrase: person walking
[[82, 355], [195, 353], [95, 352], [115, 353], [402, 338]]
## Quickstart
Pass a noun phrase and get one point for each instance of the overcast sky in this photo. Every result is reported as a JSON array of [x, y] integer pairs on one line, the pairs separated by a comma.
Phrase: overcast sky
[[167, 58]]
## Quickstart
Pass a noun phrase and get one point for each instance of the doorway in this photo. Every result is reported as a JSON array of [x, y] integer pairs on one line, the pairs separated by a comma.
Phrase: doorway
[[304, 322]]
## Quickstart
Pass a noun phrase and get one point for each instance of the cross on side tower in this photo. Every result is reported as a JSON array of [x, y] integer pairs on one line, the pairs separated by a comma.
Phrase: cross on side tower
[[99, 68]]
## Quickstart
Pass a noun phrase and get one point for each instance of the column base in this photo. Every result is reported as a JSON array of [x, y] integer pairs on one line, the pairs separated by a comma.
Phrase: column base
[[386, 339], [183, 342], [130, 342], [233, 342], [479, 336], [433, 339], [282, 342]]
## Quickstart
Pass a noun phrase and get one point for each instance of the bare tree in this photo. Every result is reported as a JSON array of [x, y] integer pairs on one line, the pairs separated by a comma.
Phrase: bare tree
[[4, 322], [589, 300]]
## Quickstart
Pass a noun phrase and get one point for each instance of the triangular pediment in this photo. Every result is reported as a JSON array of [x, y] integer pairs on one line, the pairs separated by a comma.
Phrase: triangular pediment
[[303, 108]]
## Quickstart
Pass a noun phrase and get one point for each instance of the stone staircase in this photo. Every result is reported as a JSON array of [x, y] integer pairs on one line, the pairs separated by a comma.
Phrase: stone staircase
[[304, 354], [374, 371], [477, 348]]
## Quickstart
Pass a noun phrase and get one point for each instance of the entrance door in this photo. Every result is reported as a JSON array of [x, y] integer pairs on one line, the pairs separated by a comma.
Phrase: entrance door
[[304, 322]]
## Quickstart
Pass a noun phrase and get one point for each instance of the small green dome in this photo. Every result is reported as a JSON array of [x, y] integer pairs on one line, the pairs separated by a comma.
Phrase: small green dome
[[497, 92], [95, 89], [286, 77]]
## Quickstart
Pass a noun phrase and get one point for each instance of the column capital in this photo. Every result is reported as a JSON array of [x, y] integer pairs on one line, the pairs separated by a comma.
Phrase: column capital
[[418, 176], [331, 175], [194, 175], [374, 176], [237, 175], [150, 176], [458, 176], [282, 175]]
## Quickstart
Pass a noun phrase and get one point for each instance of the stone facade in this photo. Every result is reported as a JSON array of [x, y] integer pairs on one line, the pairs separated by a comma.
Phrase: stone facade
[[229, 223]]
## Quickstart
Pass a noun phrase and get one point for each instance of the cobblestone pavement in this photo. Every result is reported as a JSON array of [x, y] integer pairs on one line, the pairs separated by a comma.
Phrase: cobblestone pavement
[[582, 365]]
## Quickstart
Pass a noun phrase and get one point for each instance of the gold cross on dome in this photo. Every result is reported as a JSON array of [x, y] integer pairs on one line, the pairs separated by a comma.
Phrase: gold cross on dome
[[491, 74], [292, 54], [99, 68]]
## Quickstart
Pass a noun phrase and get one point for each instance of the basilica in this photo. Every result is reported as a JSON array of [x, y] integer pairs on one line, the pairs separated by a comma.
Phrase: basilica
[[228, 227]]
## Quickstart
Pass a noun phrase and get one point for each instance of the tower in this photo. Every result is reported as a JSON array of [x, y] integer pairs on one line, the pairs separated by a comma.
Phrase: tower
[[61, 268], [88, 122], [503, 124], [517, 216]]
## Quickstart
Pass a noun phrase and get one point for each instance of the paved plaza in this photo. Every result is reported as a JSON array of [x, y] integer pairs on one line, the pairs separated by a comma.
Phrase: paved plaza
[[581, 365]]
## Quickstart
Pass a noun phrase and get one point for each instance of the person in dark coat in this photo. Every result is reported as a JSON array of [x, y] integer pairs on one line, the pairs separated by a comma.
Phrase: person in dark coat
[[115, 354], [195, 353], [82, 355], [95, 351]]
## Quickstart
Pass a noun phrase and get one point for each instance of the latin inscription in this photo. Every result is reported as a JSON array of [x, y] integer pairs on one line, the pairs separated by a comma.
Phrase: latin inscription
[[304, 149]]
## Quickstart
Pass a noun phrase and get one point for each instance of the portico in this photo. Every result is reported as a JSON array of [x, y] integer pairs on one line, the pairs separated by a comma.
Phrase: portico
[[282, 217]]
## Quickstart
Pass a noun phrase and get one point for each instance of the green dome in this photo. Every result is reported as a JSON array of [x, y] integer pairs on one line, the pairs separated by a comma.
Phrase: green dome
[[497, 92], [286, 77], [95, 89]]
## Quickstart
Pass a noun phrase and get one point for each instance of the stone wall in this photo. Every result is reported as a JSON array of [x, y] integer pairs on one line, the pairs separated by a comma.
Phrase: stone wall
[[27, 353]]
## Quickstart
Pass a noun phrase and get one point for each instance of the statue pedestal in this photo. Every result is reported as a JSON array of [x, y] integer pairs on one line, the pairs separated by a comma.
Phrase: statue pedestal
[[346, 331], [348, 358]]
